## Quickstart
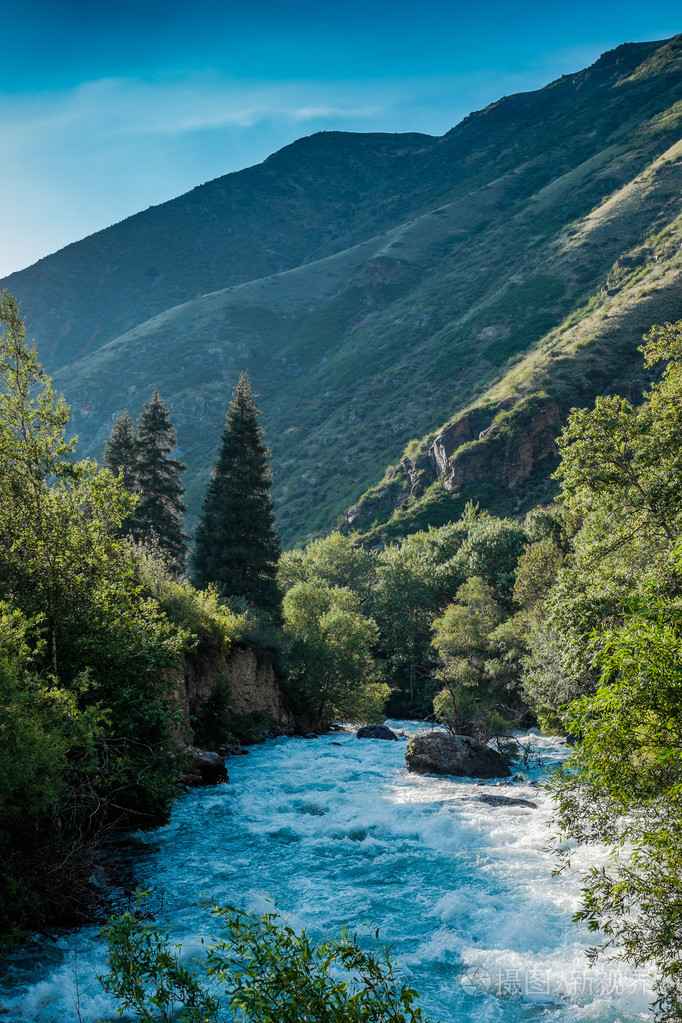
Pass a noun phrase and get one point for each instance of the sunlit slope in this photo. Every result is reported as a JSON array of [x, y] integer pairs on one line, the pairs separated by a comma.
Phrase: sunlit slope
[[501, 449], [376, 287]]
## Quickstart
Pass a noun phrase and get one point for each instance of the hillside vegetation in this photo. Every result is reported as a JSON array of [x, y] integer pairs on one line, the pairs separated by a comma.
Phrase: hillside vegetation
[[380, 287]]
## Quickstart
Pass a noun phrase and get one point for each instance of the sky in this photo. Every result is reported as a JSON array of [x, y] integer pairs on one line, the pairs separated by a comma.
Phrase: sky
[[108, 108]]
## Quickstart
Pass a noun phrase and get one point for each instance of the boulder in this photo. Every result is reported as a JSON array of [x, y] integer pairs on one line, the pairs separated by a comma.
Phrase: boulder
[[209, 766], [376, 732], [440, 753], [191, 781], [233, 749], [492, 800]]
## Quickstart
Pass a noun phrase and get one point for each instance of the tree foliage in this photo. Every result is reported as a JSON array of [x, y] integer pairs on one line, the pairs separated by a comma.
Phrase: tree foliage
[[467, 639], [141, 459], [120, 456], [48, 757], [406, 586], [237, 547], [621, 472], [490, 550], [631, 456], [623, 787], [335, 560], [617, 604], [263, 970], [120, 451], [85, 651], [331, 671], [160, 508], [415, 581]]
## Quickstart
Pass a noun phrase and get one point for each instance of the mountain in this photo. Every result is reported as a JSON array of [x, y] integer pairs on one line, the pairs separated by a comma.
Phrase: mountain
[[461, 293]]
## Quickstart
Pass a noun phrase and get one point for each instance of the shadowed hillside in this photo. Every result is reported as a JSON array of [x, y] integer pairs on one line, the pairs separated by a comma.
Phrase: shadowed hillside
[[379, 287]]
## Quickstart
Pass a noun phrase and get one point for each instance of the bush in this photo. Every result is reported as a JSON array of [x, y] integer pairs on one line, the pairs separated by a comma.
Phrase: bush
[[265, 973], [201, 614], [47, 770]]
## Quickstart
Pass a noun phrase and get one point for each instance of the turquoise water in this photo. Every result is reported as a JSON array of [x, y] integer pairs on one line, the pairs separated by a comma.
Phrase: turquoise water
[[335, 832]]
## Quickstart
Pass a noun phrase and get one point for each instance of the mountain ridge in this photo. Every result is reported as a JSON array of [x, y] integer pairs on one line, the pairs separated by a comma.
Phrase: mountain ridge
[[405, 276]]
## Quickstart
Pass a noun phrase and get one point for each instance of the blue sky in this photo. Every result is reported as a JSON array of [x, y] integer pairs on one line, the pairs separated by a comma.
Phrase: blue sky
[[107, 108]]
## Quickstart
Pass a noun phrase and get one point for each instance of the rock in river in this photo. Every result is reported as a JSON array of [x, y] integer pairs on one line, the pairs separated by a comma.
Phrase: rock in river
[[206, 769], [376, 732], [440, 753], [493, 800]]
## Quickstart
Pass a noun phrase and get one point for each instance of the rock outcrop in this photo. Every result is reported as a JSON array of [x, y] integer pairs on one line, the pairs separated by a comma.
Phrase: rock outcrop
[[376, 732], [534, 446], [464, 456], [206, 768], [241, 684], [447, 442], [440, 753], [247, 680]]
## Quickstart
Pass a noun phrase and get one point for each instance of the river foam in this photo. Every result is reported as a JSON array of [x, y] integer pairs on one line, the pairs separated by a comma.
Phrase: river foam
[[334, 832]]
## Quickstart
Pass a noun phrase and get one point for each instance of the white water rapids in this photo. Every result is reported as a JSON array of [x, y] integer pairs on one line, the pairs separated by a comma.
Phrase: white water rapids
[[335, 832]]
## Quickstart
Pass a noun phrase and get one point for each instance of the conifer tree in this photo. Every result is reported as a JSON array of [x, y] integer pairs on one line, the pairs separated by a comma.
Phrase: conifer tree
[[120, 451], [120, 455], [159, 513], [237, 547]]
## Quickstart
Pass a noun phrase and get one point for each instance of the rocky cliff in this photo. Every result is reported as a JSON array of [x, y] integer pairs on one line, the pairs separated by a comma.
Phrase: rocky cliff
[[236, 686], [465, 462]]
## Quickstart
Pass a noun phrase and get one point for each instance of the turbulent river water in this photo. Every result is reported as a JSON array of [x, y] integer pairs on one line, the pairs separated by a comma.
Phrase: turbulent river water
[[335, 831]]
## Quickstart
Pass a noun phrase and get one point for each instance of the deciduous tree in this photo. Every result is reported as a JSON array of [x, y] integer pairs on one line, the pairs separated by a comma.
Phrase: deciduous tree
[[335, 560], [415, 581], [331, 670], [84, 651], [619, 604]]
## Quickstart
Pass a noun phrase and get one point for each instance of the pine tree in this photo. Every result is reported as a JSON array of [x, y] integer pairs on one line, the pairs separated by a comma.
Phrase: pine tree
[[120, 455], [120, 451], [159, 513], [237, 547]]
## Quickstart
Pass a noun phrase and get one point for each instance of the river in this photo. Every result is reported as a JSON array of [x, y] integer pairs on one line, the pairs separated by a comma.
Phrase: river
[[335, 831]]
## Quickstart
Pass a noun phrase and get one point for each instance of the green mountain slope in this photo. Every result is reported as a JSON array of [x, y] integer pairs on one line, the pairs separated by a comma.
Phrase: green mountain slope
[[500, 449], [377, 287]]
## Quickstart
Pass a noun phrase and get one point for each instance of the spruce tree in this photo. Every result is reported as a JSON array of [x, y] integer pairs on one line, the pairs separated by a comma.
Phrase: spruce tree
[[120, 455], [159, 513], [237, 547], [120, 451]]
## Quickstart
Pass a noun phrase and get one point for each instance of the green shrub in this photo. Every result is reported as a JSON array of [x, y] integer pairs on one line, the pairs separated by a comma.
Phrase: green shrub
[[263, 971], [201, 614], [48, 764]]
